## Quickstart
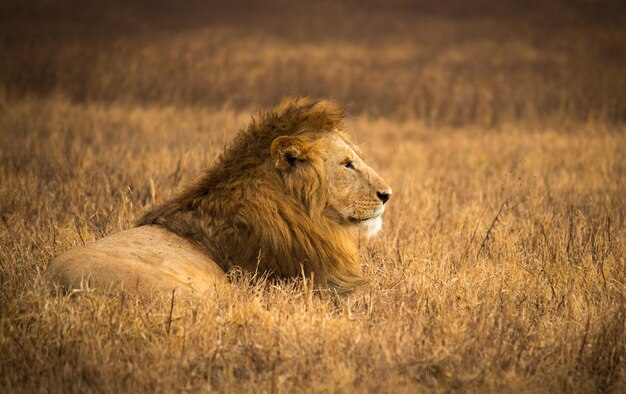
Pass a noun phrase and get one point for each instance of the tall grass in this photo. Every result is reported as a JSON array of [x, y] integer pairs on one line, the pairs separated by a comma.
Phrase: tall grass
[[501, 265]]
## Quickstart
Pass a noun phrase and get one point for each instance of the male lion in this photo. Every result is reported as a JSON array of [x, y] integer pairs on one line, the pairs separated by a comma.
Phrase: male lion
[[288, 197]]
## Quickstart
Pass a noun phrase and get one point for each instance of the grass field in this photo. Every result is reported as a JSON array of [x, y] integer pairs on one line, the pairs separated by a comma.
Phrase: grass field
[[501, 127]]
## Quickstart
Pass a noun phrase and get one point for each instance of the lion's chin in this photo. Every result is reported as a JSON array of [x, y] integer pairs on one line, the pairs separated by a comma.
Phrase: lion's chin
[[371, 227]]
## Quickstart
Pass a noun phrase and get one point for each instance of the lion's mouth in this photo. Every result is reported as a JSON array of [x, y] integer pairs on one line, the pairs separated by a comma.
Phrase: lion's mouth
[[361, 220]]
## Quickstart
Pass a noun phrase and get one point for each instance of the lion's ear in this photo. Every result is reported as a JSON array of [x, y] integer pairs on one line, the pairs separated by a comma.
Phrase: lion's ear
[[287, 152]]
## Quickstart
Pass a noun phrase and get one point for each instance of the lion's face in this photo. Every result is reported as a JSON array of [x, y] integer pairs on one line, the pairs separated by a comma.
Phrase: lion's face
[[331, 166], [356, 193]]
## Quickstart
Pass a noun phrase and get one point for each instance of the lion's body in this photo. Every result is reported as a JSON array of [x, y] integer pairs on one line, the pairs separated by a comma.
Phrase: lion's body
[[282, 199], [143, 259]]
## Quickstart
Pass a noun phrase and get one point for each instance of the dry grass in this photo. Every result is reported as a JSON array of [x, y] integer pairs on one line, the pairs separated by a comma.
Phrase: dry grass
[[501, 266]]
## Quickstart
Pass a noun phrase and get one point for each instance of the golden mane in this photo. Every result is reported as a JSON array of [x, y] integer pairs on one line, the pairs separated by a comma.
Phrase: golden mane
[[243, 213]]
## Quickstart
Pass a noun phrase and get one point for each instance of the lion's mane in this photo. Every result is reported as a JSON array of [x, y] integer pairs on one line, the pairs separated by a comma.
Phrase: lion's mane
[[242, 212]]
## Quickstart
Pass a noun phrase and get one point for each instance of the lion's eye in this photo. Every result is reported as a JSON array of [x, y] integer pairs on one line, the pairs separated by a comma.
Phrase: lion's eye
[[348, 164]]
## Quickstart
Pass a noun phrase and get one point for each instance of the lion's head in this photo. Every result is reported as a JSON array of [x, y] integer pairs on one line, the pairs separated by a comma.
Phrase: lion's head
[[285, 197], [347, 190]]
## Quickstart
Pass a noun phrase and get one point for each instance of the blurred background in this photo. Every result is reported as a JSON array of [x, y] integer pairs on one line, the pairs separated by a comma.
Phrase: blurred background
[[451, 63]]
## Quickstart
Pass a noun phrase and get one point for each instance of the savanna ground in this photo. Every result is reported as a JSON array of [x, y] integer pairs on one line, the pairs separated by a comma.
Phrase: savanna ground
[[500, 125]]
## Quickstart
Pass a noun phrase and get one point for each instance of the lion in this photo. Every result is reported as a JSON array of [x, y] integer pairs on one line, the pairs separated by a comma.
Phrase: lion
[[289, 197]]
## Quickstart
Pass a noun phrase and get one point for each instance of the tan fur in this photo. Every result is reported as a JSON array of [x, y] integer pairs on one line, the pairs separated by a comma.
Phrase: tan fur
[[142, 259], [278, 198]]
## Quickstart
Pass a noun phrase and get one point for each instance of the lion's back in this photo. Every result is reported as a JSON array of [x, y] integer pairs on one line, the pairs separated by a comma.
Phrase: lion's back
[[142, 259]]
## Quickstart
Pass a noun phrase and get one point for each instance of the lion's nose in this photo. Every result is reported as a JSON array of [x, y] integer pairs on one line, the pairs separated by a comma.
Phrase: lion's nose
[[383, 196]]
